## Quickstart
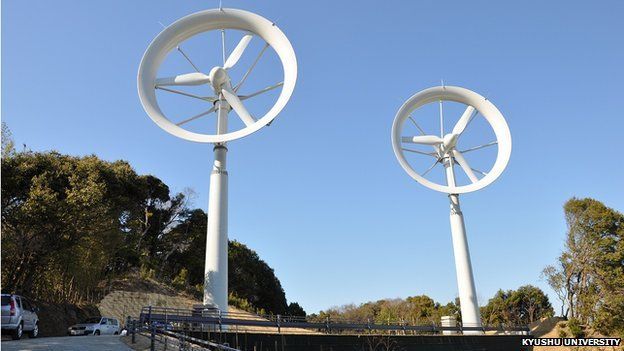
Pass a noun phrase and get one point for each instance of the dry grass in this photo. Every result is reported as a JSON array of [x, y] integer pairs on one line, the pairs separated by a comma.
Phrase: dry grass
[[550, 328], [130, 295]]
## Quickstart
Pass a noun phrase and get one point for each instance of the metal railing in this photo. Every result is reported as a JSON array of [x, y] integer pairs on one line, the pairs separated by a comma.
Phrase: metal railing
[[170, 340], [205, 319]]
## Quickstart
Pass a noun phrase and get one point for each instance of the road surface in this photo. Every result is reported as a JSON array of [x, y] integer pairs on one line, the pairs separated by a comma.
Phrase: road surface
[[67, 343]]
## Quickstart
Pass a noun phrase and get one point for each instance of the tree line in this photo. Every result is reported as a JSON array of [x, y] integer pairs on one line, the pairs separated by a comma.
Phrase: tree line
[[510, 308], [588, 279], [72, 225]]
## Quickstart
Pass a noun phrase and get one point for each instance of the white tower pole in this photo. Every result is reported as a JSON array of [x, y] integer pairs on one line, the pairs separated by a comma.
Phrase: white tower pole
[[471, 316], [216, 264]]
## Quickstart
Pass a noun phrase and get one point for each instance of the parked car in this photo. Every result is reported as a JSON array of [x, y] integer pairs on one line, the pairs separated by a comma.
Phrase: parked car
[[168, 326], [19, 316], [95, 326]]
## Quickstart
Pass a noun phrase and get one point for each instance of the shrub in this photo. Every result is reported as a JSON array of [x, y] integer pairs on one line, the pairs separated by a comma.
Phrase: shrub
[[575, 328], [147, 273], [181, 280]]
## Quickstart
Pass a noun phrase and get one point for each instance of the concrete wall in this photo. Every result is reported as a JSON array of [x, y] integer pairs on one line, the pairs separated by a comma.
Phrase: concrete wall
[[273, 342]]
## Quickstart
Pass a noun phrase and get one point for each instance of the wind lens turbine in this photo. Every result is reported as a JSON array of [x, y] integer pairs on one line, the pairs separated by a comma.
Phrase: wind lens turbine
[[218, 80], [445, 150], [225, 99]]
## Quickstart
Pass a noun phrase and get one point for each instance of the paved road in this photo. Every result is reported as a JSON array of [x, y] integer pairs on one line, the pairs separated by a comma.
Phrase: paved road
[[67, 343]]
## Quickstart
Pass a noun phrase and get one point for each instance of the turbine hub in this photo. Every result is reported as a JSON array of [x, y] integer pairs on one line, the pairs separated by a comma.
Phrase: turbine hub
[[218, 77], [448, 142]]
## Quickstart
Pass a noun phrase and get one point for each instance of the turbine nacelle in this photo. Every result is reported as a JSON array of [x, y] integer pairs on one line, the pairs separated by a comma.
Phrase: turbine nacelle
[[218, 77], [443, 146]]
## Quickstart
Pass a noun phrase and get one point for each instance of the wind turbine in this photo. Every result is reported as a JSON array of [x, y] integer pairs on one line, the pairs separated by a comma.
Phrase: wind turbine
[[444, 149], [225, 98]]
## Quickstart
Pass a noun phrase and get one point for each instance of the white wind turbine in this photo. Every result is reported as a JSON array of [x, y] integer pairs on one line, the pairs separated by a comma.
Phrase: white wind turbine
[[444, 149], [226, 98]]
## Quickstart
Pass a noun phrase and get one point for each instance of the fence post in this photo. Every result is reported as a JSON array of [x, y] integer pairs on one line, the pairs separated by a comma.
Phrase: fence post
[[152, 337], [133, 331], [220, 325], [327, 324], [279, 324]]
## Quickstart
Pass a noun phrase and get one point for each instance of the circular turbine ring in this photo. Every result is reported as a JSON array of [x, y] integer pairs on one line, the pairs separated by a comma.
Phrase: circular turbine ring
[[203, 21]]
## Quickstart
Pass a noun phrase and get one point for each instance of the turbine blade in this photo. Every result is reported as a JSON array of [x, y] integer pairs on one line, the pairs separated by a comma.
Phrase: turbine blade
[[237, 105], [238, 52], [465, 166], [195, 78], [423, 139], [464, 119]]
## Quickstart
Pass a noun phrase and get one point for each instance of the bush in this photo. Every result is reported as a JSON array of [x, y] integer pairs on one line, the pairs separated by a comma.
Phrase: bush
[[198, 291], [563, 333], [181, 280], [575, 328], [147, 273], [244, 305]]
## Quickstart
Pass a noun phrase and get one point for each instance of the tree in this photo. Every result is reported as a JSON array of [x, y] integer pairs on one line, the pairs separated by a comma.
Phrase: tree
[[517, 307], [190, 234], [8, 146], [533, 304], [294, 309], [253, 280], [61, 221], [70, 225], [414, 310], [555, 278], [591, 268]]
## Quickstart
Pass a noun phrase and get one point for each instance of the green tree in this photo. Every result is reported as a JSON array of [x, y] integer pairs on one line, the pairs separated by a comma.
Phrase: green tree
[[294, 309], [517, 307], [72, 224], [590, 271], [61, 222], [253, 280], [8, 146], [414, 310]]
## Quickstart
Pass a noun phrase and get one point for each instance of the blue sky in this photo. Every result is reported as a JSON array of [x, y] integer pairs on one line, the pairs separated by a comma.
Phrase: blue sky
[[319, 195]]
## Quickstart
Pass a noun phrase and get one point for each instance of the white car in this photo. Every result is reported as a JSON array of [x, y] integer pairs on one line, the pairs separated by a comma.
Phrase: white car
[[95, 326], [19, 316]]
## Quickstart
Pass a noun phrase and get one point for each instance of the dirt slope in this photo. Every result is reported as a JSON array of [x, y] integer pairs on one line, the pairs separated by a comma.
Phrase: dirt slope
[[550, 327], [129, 295]]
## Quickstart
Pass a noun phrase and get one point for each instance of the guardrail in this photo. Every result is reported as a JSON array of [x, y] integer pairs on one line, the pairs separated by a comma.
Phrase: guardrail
[[219, 321], [171, 340]]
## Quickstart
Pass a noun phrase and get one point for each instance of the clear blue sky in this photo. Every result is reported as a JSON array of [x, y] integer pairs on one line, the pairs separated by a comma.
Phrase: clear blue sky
[[319, 195]]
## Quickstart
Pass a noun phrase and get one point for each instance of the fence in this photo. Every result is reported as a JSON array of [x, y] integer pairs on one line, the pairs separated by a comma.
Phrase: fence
[[207, 319], [169, 340]]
